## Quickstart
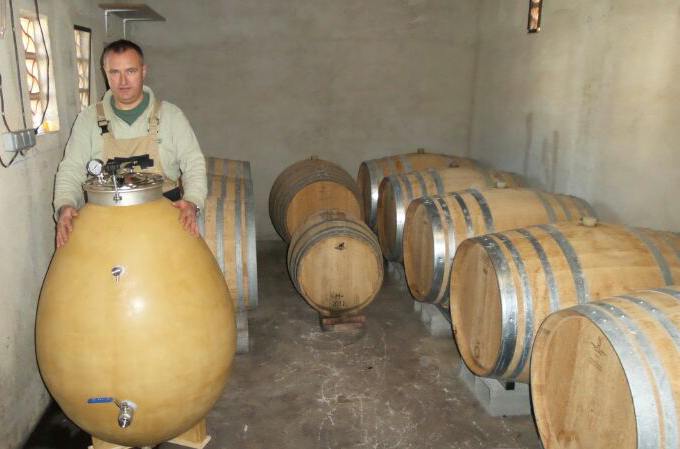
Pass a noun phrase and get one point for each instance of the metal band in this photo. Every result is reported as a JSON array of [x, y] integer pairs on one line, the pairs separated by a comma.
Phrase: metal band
[[668, 291], [508, 304], [437, 181], [237, 219], [565, 207], [486, 212], [586, 205], [393, 167], [659, 316], [251, 251], [546, 204], [223, 186], [660, 377], [405, 162], [671, 244], [644, 401], [375, 186], [424, 191], [572, 259], [407, 184], [656, 252], [547, 268], [439, 249], [447, 250], [582, 211], [487, 177], [219, 231], [528, 305], [466, 214], [400, 211]]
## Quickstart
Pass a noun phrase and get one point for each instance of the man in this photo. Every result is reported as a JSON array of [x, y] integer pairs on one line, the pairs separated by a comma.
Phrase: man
[[130, 121]]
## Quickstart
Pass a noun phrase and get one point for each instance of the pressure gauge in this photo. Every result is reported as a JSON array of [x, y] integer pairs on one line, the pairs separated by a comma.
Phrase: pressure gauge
[[94, 167]]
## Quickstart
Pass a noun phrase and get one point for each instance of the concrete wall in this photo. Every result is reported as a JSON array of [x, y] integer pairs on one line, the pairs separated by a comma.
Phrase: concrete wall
[[589, 106], [26, 227], [275, 82]]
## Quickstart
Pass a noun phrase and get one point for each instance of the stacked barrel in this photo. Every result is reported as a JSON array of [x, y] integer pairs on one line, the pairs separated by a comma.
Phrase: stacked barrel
[[227, 225], [334, 259], [528, 273]]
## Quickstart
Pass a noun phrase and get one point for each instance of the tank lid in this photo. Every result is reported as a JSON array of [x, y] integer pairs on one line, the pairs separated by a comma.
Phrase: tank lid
[[127, 189]]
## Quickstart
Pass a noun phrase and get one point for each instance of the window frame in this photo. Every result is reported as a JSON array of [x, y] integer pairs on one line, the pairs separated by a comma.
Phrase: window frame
[[46, 82], [88, 90]]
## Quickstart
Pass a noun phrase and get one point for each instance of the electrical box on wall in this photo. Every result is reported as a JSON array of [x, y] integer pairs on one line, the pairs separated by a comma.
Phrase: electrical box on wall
[[18, 140]]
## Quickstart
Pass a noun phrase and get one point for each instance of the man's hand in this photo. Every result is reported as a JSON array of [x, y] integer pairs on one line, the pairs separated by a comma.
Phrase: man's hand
[[65, 224], [187, 216]]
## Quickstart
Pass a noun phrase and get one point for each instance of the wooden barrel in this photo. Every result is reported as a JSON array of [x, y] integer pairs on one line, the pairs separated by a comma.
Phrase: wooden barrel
[[605, 374], [373, 171], [228, 226], [226, 167], [307, 187], [504, 285], [436, 225], [335, 263], [397, 192]]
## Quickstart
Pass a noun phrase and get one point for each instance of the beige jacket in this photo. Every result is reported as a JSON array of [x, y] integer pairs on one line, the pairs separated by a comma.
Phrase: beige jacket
[[179, 151]]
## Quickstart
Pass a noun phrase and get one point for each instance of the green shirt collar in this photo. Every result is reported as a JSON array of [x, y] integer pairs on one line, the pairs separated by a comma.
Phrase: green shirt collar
[[129, 116]]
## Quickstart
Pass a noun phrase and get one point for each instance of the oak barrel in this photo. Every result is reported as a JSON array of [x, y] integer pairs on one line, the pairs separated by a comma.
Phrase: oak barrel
[[335, 263], [436, 225], [503, 285], [227, 224], [397, 192], [373, 171], [607, 374], [226, 167], [307, 187]]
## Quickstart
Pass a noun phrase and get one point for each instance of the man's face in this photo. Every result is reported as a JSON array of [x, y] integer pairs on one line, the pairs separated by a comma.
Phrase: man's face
[[125, 73]]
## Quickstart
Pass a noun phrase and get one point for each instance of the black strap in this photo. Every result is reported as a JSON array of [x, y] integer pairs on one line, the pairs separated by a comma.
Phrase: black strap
[[103, 125], [174, 194]]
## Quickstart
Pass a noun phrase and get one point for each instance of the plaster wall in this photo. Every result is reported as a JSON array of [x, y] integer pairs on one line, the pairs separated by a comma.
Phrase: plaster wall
[[26, 227], [275, 82], [588, 106]]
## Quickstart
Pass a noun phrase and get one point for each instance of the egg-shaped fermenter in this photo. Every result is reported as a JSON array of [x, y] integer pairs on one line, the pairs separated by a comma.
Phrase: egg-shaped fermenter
[[135, 331]]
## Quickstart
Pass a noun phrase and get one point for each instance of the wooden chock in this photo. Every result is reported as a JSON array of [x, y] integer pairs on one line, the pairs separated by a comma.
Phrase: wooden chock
[[101, 444], [196, 438], [346, 323]]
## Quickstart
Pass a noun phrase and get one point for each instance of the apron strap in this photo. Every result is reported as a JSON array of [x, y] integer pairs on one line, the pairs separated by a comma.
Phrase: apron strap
[[154, 121], [101, 119]]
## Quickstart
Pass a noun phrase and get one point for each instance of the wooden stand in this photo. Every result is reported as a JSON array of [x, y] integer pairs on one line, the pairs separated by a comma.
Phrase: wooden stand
[[196, 438], [350, 323]]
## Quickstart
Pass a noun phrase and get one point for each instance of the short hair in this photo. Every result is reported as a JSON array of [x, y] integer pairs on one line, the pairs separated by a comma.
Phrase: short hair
[[120, 46]]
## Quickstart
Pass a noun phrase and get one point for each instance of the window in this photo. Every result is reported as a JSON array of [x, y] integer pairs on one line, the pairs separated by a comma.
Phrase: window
[[82, 36], [39, 74]]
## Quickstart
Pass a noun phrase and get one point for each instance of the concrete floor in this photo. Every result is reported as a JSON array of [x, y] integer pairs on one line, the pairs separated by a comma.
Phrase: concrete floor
[[391, 386]]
